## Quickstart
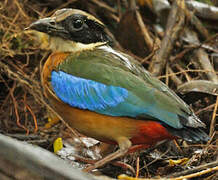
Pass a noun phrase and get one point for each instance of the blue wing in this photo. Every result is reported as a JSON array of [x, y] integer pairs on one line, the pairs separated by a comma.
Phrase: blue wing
[[86, 94], [109, 100]]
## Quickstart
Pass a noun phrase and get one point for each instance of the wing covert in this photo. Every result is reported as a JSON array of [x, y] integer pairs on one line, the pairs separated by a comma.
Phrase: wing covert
[[106, 99], [118, 86], [86, 94]]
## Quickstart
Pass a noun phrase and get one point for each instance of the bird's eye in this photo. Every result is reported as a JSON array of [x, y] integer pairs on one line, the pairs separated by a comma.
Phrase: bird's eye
[[77, 24], [52, 23]]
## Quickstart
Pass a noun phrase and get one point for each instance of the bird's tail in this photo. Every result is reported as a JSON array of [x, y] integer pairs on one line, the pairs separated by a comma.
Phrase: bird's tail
[[194, 135]]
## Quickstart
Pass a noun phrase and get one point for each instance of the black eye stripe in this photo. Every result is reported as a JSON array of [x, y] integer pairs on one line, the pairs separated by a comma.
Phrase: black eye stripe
[[52, 23], [80, 28]]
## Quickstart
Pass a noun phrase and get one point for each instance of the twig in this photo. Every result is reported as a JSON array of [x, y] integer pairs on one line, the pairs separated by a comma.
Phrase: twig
[[16, 110], [148, 40], [104, 5], [203, 60], [11, 90], [203, 9], [146, 34], [182, 70], [174, 78], [125, 177], [123, 165], [196, 174], [167, 72], [199, 86], [182, 53], [197, 23], [213, 120], [59, 7], [195, 169], [188, 70], [163, 154], [21, 9], [33, 88], [205, 109], [137, 167], [174, 26], [24, 108], [34, 117]]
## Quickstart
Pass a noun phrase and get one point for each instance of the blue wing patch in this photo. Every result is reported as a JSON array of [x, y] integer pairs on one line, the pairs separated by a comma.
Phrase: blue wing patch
[[86, 94], [109, 100]]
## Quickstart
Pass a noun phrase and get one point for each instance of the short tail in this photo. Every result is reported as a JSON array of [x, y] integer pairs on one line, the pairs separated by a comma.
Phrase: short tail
[[194, 135]]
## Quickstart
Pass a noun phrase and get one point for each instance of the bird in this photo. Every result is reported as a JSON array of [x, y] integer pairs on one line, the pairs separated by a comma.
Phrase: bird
[[107, 94]]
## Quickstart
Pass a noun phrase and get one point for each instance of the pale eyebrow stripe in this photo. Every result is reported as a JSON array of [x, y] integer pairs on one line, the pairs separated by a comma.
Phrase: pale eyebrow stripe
[[65, 14]]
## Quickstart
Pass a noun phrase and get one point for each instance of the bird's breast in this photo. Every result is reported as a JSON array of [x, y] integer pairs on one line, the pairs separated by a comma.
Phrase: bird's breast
[[51, 64]]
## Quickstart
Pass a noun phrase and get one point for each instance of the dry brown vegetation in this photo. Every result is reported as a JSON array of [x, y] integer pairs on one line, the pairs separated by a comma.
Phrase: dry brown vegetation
[[184, 56]]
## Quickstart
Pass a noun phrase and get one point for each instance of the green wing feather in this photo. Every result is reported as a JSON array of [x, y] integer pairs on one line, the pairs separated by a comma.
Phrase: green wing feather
[[110, 67]]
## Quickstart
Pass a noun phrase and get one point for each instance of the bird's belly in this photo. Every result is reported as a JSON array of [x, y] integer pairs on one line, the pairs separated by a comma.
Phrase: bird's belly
[[100, 127], [109, 128]]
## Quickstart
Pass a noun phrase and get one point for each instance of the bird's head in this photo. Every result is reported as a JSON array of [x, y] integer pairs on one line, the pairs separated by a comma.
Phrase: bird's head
[[70, 30]]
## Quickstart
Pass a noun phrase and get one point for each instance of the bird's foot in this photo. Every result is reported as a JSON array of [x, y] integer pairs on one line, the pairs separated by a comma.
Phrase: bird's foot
[[115, 155], [115, 163], [110, 157]]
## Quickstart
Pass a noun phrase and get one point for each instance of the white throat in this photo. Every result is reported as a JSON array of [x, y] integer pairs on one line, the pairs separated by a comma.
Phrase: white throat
[[62, 45]]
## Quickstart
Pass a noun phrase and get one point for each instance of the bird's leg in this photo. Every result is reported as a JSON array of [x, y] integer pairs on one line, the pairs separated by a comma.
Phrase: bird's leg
[[124, 145], [105, 149], [110, 157]]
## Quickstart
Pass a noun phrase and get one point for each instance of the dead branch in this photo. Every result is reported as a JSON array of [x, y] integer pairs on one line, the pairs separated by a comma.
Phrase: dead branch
[[19, 160], [203, 60], [195, 169], [213, 120], [197, 174], [197, 24], [203, 10], [174, 26], [199, 86]]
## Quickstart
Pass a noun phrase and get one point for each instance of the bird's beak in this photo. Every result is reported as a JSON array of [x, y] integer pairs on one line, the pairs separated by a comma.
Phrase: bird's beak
[[42, 25], [40, 30], [48, 26]]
